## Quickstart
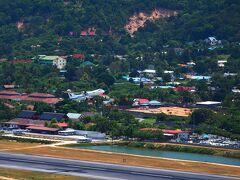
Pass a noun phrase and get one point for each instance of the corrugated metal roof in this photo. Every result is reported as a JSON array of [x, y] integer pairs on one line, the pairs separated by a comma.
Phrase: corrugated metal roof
[[41, 128], [27, 114], [73, 115], [50, 58], [26, 122], [49, 116]]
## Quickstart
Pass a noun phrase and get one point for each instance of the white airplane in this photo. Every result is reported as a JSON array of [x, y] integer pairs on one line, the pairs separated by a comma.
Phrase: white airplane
[[84, 95]]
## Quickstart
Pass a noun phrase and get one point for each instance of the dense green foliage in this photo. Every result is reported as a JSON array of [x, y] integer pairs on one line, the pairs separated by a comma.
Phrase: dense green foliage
[[5, 112], [46, 20]]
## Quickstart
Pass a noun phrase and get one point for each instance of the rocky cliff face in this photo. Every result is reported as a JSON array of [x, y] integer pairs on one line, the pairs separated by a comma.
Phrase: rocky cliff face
[[137, 21]]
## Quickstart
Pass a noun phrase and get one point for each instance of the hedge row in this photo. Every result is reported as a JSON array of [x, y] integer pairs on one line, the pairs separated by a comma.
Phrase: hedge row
[[18, 139]]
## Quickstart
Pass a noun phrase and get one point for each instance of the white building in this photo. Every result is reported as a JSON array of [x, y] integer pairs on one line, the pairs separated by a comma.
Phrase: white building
[[208, 104], [212, 41], [74, 116], [91, 134], [221, 63], [149, 72], [168, 72]]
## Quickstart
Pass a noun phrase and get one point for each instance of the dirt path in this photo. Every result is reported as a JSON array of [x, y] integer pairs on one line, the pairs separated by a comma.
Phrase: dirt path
[[6, 178], [39, 146]]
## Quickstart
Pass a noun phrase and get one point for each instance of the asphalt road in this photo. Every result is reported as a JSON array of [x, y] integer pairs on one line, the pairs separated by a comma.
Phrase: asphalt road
[[96, 170]]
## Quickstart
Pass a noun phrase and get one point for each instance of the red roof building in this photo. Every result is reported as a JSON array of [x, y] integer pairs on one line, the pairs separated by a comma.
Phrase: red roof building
[[25, 122], [80, 56], [141, 101], [62, 125], [175, 132], [21, 61], [92, 33], [182, 65], [9, 93], [41, 129], [35, 97], [84, 33], [167, 131], [182, 88], [108, 105]]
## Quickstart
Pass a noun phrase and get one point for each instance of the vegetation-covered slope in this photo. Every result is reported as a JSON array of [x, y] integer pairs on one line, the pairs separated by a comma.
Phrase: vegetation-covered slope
[[46, 22]]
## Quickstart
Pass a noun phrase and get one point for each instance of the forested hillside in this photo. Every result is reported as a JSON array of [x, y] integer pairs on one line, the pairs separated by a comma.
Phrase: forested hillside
[[57, 25]]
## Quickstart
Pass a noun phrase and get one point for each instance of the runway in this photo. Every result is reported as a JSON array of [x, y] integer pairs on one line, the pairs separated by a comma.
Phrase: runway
[[96, 170]]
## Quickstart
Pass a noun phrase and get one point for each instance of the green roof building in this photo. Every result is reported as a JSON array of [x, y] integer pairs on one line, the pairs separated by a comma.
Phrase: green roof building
[[86, 63]]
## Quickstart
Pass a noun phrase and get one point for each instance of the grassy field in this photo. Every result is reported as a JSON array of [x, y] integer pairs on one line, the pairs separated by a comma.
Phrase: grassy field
[[9, 145], [13, 174], [223, 57], [149, 121]]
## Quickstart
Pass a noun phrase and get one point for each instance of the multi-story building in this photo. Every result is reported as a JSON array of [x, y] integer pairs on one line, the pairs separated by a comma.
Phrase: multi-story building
[[57, 61]]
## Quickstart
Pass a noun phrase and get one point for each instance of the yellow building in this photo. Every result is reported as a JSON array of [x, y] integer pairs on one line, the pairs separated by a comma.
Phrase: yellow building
[[57, 61]]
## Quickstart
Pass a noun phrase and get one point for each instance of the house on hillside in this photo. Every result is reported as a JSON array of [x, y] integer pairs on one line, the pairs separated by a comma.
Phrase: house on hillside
[[168, 72], [78, 56], [183, 89], [212, 41], [138, 80], [221, 63], [86, 64], [57, 61], [90, 32], [154, 103], [149, 72], [140, 102], [83, 33]]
